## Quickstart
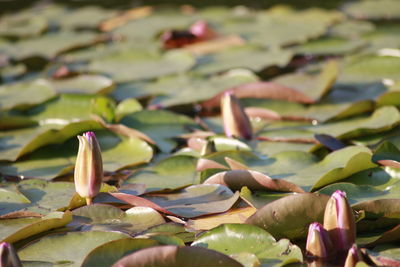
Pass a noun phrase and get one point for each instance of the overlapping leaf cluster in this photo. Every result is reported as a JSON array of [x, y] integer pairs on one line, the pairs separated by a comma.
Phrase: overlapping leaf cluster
[[322, 89]]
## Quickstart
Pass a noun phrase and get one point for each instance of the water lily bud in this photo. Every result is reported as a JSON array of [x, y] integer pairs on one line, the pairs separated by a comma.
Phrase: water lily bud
[[339, 221], [318, 242], [8, 256], [353, 256], [88, 167], [201, 30], [236, 122]]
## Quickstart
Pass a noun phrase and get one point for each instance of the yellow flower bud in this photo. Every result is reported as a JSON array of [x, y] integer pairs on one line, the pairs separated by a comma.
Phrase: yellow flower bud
[[339, 221], [318, 242]]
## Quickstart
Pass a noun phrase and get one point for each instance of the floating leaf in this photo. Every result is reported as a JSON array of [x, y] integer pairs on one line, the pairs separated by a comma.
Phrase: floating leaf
[[369, 9], [252, 58], [312, 86], [15, 143], [55, 245], [290, 216], [193, 201], [13, 230], [177, 256], [233, 239], [128, 66], [160, 126], [107, 217], [170, 173], [110, 252], [25, 94], [88, 84]]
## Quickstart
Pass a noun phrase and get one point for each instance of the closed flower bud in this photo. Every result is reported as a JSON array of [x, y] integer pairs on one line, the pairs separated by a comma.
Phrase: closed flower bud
[[8, 256], [236, 122], [318, 243], [88, 167], [353, 256], [339, 221], [201, 30]]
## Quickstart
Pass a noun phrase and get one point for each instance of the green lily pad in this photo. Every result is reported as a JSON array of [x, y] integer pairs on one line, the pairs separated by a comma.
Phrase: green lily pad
[[160, 126], [281, 25], [84, 83], [386, 151], [22, 25], [382, 119], [67, 108], [127, 106], [369, 9], [361, 196], [313, 86], [171, 173], [290, 216], [136, 65], [172, 229], [109, 218], [58, 247], [85, 17], [25, 94], [252, 58], [330, 46], [370, 68], [13, 230], [177, 256], [44, 196], [118, 152], [51, 45], [351, 28], [336, 166], [108, 253], [233, 239], [15, 143], [259, 199]]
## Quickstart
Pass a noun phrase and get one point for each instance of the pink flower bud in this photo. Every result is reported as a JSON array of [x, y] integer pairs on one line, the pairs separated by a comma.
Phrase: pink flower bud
[[8, 256], [339, 221], [88, 167], [318, 242], [201, 30], [236, 123], [353, 256]]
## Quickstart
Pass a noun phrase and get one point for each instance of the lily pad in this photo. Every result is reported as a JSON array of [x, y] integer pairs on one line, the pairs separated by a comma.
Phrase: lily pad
[[170, 173], [313, 86], [117, 151], [290, 216], [25, 94], [55, 247], [15, 143], [109, 218], [369, 9], [128, 66], [110, 252], [13, 230], [253, 58], [160, 126], [177, 256], [88, 84], [193, 201], [232, 239]]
